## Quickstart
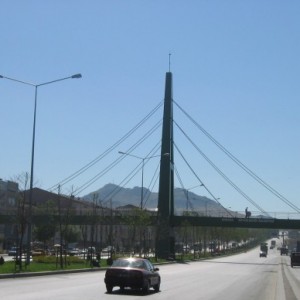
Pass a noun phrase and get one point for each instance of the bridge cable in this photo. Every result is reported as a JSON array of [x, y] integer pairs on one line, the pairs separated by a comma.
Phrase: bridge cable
[[201, 182], [240, 164], [184, 190], [152, 183], [116, 162], [222, 174], [131, 175], [106, 152]]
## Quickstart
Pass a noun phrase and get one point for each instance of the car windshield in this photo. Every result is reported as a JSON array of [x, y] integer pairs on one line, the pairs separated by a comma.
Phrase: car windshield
[[128, 263]]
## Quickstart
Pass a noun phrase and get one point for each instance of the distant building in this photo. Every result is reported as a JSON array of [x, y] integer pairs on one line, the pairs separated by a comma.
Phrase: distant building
[[100, 232], [9, 192]]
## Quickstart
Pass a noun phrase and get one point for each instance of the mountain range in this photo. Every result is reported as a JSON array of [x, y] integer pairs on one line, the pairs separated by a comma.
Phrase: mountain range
[[116, 196]]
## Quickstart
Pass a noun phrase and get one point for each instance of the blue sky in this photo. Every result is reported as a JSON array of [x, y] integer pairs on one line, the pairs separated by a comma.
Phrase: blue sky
[[235, 66]]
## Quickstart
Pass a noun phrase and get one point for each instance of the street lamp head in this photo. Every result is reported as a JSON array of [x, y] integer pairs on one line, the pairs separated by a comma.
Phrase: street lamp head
[[1, 76], [121, 152], [76, 76]]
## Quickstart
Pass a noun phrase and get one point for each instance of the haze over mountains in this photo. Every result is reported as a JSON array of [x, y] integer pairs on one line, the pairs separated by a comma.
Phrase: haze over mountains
[[117, 196]]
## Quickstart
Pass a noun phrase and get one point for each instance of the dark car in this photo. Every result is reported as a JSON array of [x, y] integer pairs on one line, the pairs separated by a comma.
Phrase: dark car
[[262, 254], [295, 259], [13, 251], [284, 251], [134, 273]]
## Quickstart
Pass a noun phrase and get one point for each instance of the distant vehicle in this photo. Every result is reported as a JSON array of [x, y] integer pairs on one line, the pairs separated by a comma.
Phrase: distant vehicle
[[72, 251], [83, 251], [273, 244], [134, 273], [295, 256], [263, 250], [298, 246], [295, 259], [284, 250], [262, 254], [13, 251], [108, 250]]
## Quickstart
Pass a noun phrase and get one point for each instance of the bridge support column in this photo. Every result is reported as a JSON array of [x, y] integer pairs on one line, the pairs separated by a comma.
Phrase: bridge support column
[[165, 241]]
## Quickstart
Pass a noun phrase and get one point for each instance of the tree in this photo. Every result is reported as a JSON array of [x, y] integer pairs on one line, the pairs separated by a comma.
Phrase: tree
[[137, 221], [22, 217], [44, 232], [64, 213]]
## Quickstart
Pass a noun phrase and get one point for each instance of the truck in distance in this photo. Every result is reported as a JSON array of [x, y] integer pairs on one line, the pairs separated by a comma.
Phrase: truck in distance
[[263, 250]]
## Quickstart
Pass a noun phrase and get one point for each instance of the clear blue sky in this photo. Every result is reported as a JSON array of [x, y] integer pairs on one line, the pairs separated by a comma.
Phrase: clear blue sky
[[235, 66]]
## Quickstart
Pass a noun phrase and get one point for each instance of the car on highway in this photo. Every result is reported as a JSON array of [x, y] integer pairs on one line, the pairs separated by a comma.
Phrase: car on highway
[[295, 259], [73, 251], [284, 250], [262, 254], [134, 273], [13, 251]]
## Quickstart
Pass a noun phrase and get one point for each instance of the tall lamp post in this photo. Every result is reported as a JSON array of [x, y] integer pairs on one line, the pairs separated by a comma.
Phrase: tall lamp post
[[143, 164], [36, 86], [142, 190]]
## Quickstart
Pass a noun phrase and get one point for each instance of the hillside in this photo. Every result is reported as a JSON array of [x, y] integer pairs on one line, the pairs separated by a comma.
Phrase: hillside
[[111, 194]]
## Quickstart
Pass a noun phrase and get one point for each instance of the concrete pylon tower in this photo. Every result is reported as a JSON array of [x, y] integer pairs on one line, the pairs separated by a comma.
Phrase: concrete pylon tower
[[165, 242]]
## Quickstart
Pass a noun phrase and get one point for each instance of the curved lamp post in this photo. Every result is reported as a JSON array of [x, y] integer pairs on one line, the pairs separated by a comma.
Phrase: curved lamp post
[[32, 150], [143, 164]]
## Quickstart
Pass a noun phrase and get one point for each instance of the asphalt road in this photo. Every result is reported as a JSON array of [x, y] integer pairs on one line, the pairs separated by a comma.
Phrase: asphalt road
[[244, 276]]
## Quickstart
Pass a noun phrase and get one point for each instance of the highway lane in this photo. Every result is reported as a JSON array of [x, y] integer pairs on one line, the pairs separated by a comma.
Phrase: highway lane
[[244, 276]]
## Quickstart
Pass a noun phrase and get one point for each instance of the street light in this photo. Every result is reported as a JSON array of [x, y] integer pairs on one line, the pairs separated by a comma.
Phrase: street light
[[143, 164], [32, 150], [142, 190], [187, 195]]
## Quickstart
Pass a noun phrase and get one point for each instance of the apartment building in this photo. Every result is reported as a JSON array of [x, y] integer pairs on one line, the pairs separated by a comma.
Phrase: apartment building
[[9, 192]]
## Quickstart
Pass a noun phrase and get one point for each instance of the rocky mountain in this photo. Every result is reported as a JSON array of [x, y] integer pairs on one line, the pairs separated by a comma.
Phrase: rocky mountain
[[116, 196]]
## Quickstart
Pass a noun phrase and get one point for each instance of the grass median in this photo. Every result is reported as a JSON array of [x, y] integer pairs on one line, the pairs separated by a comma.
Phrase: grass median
[[53, 263], [49, 263]]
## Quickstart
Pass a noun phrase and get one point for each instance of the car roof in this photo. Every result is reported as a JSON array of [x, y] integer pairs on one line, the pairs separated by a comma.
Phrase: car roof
[[132, 258], [131, 262]]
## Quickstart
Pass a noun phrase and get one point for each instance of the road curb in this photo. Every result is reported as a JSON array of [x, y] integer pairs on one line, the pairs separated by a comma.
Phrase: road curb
[[32, 274], [58, 272]]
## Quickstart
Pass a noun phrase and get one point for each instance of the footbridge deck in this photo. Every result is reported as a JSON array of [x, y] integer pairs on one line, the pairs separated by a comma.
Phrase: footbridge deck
[[175, 221], [237, 222]]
